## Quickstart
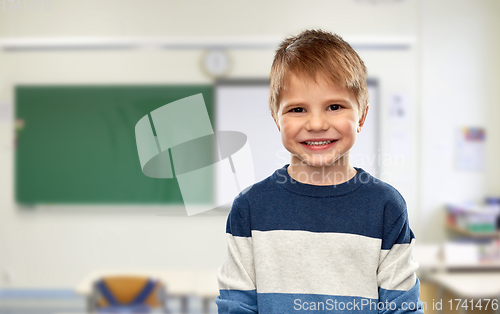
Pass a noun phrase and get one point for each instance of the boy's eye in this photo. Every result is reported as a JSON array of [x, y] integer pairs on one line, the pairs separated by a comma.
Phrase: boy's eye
[[334, 107], [298, 109]]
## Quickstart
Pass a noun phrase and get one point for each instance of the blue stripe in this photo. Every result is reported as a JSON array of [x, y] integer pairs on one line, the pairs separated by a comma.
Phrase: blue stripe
[[145, 292], [408, 300], [269, 206], [237, 301], [106, 293], [292, 303], [397, 232], [238, 221]]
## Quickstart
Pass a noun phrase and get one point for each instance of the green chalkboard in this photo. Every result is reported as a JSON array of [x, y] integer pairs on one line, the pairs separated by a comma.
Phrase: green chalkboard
[[76, 144]]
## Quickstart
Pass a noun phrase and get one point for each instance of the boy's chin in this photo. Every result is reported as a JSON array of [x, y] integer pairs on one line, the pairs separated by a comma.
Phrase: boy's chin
[[320, 162]]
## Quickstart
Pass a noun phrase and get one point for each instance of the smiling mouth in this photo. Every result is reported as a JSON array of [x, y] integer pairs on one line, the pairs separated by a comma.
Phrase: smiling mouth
[[318, 143]]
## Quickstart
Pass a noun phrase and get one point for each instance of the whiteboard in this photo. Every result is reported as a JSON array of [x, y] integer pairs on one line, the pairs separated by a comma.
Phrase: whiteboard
[[243, 106], [366, 151]]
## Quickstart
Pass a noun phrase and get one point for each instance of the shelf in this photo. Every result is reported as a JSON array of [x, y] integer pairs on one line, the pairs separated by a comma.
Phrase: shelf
[[473, 234]]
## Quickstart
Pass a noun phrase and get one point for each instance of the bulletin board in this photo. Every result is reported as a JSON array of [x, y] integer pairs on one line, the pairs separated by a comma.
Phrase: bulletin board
[[76, 144]]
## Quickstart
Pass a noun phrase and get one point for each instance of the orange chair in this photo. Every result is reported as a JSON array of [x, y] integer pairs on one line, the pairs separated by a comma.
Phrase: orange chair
[[128, 294]]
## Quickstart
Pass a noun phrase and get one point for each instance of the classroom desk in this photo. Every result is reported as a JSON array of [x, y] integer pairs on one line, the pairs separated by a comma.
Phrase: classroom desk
[[179, 283], [431, 259], [479, 280], [469, 285]]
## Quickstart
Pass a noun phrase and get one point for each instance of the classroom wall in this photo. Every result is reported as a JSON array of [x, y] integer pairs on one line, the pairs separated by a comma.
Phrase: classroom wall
[[54, 246], [460, 76]]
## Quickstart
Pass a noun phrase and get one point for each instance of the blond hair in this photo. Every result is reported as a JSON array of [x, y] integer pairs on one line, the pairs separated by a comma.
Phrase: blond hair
[[315, 52]]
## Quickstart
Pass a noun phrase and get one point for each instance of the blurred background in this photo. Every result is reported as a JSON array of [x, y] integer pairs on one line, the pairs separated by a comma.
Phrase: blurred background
[[433, 70]]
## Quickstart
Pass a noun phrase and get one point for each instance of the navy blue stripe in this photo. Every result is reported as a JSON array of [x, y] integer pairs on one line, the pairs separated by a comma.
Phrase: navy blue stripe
[[343, 214], [106, 293], [307, 303], [390, 301], [238, 221], [237, 301], [406, 301], [396, 231], [268, 205], [144, 293]]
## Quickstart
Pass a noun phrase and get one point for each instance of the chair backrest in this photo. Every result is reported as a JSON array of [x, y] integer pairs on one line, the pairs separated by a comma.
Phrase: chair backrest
[[122, 291]]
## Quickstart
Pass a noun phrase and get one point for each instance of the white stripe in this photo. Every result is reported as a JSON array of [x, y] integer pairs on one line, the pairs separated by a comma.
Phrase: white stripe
[[238, 272], [293, 261], [397, 267]]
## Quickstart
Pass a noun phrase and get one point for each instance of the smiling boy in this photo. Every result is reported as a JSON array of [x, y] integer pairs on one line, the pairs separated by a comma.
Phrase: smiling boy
[[318, 123], [319, 234]]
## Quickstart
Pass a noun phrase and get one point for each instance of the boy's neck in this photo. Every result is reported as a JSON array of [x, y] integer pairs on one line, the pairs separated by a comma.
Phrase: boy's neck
[[341, 171]]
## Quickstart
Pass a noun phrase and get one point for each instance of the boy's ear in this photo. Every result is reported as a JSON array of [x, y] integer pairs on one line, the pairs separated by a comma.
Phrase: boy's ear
[[363, 117]]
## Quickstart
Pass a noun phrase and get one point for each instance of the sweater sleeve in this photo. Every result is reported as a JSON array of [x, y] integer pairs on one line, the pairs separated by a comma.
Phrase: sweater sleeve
[[399, 287], [236, 276]]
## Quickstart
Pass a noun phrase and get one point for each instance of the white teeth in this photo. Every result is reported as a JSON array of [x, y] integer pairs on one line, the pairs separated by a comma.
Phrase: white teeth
[[318, 143]]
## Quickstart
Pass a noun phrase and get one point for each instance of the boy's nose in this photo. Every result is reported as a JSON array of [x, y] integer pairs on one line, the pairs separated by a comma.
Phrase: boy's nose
[[317, 122]]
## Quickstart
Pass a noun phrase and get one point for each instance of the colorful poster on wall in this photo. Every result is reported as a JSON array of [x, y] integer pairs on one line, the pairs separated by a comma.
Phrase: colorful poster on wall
[[470, 149]]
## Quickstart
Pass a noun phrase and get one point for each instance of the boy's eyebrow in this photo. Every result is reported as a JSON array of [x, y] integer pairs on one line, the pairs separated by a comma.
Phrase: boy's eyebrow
[[337, 100]]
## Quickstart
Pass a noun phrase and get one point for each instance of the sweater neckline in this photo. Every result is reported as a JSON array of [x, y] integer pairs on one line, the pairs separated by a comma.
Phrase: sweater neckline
[[282, 178]]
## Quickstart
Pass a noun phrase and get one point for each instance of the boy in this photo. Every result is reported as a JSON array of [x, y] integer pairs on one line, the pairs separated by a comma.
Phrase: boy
[[319, 234]]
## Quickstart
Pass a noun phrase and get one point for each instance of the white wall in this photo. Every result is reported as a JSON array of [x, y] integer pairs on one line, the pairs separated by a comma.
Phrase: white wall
[[460, 77], [56, 247], [216, 17]]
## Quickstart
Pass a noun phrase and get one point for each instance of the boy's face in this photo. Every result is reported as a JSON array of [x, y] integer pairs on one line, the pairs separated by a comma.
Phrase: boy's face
[[318, 122]]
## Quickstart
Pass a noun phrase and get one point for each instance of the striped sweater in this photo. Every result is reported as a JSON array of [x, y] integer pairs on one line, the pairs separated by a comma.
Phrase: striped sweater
[[296, 247]]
